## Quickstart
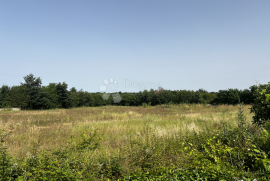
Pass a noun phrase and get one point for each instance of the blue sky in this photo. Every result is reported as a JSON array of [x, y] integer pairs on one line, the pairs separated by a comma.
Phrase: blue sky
[[181, 44]]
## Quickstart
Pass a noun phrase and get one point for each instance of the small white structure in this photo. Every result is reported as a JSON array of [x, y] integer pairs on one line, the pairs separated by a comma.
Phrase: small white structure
[[10, 109]]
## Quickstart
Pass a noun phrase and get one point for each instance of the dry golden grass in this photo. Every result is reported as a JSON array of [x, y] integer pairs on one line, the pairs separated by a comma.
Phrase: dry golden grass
[[118, 124]]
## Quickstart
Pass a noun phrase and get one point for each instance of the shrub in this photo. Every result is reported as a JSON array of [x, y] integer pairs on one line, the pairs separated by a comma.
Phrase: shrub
[[261, 106], [8, 169]]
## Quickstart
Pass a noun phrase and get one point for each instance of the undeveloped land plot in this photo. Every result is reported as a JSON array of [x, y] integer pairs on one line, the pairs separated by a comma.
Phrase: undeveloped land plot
[[118, 125]]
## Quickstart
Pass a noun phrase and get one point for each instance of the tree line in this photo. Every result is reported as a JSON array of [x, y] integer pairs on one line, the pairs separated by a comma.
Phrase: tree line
[[32, 95]]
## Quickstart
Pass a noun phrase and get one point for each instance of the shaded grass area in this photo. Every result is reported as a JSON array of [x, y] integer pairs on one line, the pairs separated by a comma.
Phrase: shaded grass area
[[115, 142]]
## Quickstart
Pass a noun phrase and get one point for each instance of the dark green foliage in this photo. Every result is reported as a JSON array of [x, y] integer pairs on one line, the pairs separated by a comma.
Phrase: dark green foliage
[[182, 175], [231, 96], [63, 95], [17, 96], [4, 90], [227, 97], [246, 96], [261, 106], [207, 98], [34, 85], [32, 95], [184, 96], [111, 168], [263, 139]]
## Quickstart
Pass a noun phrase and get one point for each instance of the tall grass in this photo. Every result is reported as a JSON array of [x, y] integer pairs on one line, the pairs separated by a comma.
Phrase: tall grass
[[117, 124], [113, 141]]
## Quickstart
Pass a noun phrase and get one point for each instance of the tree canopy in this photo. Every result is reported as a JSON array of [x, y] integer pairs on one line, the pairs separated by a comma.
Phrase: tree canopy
[[31, 94]]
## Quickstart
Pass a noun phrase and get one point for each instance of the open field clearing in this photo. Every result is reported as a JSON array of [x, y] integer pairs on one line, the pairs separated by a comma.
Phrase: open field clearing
[[118, 125], [166, 142]]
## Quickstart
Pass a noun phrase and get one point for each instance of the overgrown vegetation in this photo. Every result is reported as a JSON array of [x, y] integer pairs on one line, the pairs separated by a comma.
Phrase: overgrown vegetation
[[164, 142], [31, 95], [182, 142]]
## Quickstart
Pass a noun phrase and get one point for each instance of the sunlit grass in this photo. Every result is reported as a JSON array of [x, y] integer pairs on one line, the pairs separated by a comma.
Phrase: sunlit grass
[[118, 125]]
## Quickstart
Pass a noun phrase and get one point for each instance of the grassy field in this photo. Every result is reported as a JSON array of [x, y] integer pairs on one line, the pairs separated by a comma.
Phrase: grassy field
[[114, 142], [118, 125]]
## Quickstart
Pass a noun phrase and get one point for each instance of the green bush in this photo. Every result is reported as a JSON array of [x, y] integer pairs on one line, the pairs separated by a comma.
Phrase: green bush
[[261, 106], [8, 168], [110, 168]]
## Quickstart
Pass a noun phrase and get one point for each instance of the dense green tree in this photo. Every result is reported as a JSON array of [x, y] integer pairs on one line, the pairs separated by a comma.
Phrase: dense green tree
[[246, 96], [207, 98], [32, 95], [84, 98], [152, 97], [184, 96], [73, 90], [201, 91], [165, 97], [32, 82], [4, 90], [146, 97], [99, 101], [197, 97], [74, 97], [34, 85], [46, 99], [17, 97], [230, 96], [63, 95], [130, 99], [51, 89], [126, 99]]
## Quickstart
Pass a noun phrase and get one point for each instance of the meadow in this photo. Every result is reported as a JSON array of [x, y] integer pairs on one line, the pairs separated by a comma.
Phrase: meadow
[[117, 142], [119, 125]]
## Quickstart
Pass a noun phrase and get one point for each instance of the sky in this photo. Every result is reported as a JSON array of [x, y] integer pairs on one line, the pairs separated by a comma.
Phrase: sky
[[132, 45]]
